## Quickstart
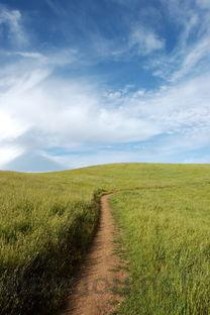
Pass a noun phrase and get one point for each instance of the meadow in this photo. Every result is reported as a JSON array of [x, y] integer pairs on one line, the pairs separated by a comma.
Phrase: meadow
[[48, 221], [166, 238]]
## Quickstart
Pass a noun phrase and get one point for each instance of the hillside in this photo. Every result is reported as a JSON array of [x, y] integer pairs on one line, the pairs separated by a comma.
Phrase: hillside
[[48, 221]]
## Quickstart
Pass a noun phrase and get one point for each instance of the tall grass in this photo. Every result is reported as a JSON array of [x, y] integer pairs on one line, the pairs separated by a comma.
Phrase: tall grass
[[47, 222], [43, 236], [166, 237]]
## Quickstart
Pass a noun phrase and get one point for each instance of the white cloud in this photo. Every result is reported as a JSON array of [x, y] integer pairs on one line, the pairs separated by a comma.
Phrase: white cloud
[[146, 40], [13, 20], [40, 112], [8, 153], [192, 59], [69, 111], [10, 128], [190, 54]]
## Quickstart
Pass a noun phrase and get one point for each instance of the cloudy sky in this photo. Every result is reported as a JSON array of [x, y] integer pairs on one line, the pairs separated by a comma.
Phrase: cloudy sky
[[90, 82]]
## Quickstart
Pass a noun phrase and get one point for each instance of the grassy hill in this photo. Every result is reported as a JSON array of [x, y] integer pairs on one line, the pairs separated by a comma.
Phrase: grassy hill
[[48, 220]]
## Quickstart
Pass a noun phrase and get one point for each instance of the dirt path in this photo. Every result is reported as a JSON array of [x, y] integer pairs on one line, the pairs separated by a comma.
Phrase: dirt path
[[92, 293]]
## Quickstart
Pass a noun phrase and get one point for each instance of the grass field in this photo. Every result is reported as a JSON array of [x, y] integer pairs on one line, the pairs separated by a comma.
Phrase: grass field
[[48, 220], [166, 238], [46, 226]]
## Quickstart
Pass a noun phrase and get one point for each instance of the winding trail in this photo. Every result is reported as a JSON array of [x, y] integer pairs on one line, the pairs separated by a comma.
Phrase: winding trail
[[93, 292]]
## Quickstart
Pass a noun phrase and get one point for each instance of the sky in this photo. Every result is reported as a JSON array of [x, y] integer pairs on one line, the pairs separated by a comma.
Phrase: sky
[[91, 82]]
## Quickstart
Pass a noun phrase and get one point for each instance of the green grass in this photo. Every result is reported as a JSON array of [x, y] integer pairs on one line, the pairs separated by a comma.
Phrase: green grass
[[166, 238], [45, 230], [48, 220]]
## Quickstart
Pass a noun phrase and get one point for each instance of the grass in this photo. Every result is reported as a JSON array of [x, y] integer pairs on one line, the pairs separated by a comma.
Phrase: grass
[[45, 230], [48, 220], [166, 237]]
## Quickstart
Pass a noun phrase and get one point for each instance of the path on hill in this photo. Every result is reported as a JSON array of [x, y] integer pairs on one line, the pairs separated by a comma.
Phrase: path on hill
[[92, 293]]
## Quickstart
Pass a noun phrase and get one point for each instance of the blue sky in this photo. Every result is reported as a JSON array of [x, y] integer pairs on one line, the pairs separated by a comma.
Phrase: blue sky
[[90, 82]]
